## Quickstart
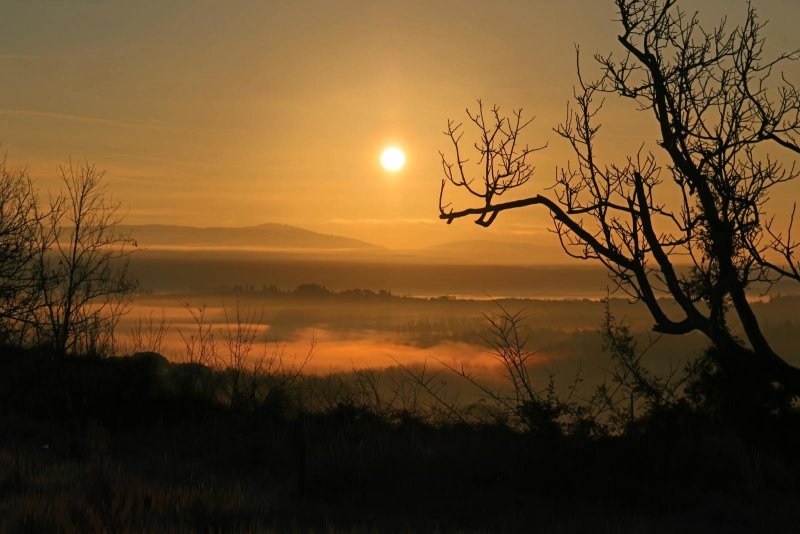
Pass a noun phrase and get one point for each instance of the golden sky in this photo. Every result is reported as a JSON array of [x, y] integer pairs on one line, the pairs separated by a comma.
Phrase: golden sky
[[236, 113]]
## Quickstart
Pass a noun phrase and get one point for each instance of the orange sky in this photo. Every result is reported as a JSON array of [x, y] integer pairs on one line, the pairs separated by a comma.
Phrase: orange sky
[[237, 113]]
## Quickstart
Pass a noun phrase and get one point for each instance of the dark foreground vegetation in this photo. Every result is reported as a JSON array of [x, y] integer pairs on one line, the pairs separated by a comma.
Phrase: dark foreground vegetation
[[108, 444], [140, 444]]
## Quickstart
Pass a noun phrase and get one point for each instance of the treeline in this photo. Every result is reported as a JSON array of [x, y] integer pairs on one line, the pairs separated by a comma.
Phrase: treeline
[[317, 291]]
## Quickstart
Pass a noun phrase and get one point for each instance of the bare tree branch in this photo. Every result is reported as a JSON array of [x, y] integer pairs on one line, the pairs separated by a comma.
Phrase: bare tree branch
[[720, 109]]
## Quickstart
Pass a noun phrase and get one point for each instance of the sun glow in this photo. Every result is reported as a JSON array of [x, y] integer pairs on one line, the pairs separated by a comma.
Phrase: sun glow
[[393, 159]]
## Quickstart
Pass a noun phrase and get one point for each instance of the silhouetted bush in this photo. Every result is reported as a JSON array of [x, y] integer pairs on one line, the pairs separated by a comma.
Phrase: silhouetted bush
[[145, 444]]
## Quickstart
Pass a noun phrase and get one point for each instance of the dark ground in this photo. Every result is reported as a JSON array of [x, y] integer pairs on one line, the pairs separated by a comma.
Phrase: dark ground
[[137, 444]]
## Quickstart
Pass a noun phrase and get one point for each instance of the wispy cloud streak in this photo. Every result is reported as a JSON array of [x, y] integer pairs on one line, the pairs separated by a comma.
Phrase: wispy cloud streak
[[150, 124], [382, 222]]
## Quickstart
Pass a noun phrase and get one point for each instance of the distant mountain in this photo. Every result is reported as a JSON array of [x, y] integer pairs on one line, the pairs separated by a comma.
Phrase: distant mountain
[[279, 238], [263, 236], [494, 252]]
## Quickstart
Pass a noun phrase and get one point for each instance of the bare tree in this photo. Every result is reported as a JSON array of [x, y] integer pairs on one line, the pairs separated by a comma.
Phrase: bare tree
[[82, 265], [720, 106], [19, 221]]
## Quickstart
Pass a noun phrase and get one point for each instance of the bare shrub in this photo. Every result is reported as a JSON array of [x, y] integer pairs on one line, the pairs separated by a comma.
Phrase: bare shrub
[[271, 376], [199, 345], [239, 333], [431, 397], [390, 393], [148, 334]]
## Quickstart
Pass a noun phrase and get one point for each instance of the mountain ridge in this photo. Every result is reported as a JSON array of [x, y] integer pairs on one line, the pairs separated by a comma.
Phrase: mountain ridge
[[285, 238], [265, 235]]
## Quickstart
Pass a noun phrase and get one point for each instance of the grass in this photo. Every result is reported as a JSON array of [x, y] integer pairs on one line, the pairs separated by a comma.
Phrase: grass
[[128, 445]]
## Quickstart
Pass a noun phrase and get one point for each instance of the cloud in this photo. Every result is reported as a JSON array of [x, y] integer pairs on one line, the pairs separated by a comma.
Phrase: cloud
[[23, 57], [526, 233], [73, 118], [382, 222], [150, 124], [226, 165]]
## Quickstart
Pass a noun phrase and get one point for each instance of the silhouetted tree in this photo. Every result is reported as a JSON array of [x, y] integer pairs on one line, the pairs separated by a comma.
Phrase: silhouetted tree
[[82, 265], [710, 92], [19, 220]]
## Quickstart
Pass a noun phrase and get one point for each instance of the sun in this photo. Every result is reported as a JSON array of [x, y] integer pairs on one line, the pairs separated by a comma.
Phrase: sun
[[393, 159]]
